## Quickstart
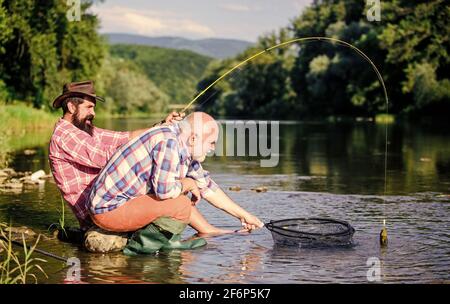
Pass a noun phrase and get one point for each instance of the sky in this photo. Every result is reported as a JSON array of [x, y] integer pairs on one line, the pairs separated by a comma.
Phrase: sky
[[196, 19]]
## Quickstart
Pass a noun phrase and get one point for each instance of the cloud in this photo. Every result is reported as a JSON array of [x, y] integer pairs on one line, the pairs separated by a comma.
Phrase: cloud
[[299, 5], [121, 19]]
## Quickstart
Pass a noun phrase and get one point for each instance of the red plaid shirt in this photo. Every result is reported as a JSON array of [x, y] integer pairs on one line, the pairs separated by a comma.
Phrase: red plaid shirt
[[76, 158]]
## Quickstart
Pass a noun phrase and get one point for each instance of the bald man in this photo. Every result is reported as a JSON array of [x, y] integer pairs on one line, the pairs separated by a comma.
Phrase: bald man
[[150, 177]]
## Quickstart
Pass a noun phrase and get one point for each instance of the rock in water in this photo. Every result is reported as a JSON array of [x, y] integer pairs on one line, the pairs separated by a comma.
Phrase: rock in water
[[3, 176], [37, 175], [102, 241], [17, 232], [260, 189], [9, 172], [235, 188]]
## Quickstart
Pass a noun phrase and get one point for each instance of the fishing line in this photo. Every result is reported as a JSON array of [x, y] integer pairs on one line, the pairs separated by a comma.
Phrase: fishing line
[[311, 39], [235, 76]]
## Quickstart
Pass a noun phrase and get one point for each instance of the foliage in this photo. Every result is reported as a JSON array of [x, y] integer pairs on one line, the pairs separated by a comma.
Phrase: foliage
[[128, 90], [41, 49], [174, 72], [409, 46]]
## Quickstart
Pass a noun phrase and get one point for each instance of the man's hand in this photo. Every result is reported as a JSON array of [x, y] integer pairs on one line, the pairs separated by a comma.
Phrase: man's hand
[[251, 222], [173, 117], [222, 201]]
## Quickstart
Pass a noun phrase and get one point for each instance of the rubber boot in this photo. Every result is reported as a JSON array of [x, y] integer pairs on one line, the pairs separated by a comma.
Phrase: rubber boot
[[175, 243], [145, 241]]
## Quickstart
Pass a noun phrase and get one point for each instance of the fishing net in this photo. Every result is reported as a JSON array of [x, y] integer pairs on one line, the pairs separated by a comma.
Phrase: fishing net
[[311, 232]]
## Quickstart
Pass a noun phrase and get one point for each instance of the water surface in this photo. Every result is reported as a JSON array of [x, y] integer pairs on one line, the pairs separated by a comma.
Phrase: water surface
[[325, 170]]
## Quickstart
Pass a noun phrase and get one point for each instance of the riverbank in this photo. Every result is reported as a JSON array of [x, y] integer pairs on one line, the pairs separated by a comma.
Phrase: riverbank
[[16, 119], [21, 127]]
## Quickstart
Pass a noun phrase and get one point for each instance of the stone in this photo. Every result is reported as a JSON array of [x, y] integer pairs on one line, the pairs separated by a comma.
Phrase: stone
[[27, 181], [259, 189], [17, 232], [37, 175], [12, 185], [29, 152], [9, 172], [235, 188], [102, 241]]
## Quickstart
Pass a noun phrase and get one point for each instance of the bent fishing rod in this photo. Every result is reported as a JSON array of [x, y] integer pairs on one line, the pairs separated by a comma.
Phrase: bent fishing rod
[[285, 43], [310, 39]]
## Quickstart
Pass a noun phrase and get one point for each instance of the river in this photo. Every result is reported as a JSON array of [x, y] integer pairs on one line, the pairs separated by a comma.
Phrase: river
[[325, 170]]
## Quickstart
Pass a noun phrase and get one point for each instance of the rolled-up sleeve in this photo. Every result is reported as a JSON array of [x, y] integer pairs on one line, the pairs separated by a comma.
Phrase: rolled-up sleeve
[[165, 179], [202, 178]]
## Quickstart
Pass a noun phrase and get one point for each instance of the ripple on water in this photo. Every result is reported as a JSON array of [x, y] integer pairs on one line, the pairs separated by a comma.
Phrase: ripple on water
[[418, 248]]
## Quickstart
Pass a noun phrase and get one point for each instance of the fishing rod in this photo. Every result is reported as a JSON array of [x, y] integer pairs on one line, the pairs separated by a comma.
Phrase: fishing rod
[[331, 41], [296, 40], [46, 253]]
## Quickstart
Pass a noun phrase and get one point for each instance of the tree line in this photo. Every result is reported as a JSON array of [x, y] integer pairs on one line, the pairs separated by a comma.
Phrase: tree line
[[409, 45], [40, 50]]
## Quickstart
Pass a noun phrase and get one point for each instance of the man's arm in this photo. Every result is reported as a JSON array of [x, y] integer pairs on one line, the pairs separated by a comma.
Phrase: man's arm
[[214, 195], [219, 199]]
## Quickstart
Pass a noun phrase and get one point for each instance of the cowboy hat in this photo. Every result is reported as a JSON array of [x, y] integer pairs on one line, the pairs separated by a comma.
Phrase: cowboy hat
[[77, 89]]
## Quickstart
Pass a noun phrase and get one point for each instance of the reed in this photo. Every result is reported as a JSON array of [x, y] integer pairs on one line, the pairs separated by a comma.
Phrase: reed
[[14, 267]]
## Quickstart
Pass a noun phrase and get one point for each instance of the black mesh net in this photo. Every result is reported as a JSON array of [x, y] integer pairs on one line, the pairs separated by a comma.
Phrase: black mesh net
[[311, 232]]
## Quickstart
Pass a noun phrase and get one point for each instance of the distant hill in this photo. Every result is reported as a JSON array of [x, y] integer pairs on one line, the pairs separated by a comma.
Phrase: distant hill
[[175, 72], [215, 48]]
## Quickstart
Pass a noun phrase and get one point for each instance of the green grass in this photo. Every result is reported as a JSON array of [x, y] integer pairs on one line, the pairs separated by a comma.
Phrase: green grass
[[22, 126], [62, 219], [17, 119], [13, 268]]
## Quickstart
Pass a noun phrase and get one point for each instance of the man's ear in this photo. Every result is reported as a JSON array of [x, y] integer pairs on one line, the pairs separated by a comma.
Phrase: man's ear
[[71, 107]]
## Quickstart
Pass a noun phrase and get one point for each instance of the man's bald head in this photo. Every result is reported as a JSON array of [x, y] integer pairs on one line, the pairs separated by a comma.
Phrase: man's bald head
[[202, 123], [201, 132]]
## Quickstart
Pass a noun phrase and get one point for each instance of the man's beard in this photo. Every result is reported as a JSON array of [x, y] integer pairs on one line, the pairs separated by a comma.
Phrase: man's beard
[[83, 124]]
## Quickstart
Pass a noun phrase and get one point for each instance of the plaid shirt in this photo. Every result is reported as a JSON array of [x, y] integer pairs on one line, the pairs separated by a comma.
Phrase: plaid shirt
[[153, 163], [76, 158]]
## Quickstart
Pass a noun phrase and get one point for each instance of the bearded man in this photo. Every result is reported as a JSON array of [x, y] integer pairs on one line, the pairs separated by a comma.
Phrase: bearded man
[[78, 150]]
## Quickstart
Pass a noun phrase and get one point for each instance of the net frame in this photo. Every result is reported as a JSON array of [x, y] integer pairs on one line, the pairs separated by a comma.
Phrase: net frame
[[289, 237]]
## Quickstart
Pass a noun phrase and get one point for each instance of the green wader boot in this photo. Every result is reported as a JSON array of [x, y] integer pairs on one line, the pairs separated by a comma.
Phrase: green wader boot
[[162, 234]]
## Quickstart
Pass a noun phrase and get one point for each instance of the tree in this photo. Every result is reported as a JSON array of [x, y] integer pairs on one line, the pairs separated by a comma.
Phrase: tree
[[43, 50]]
